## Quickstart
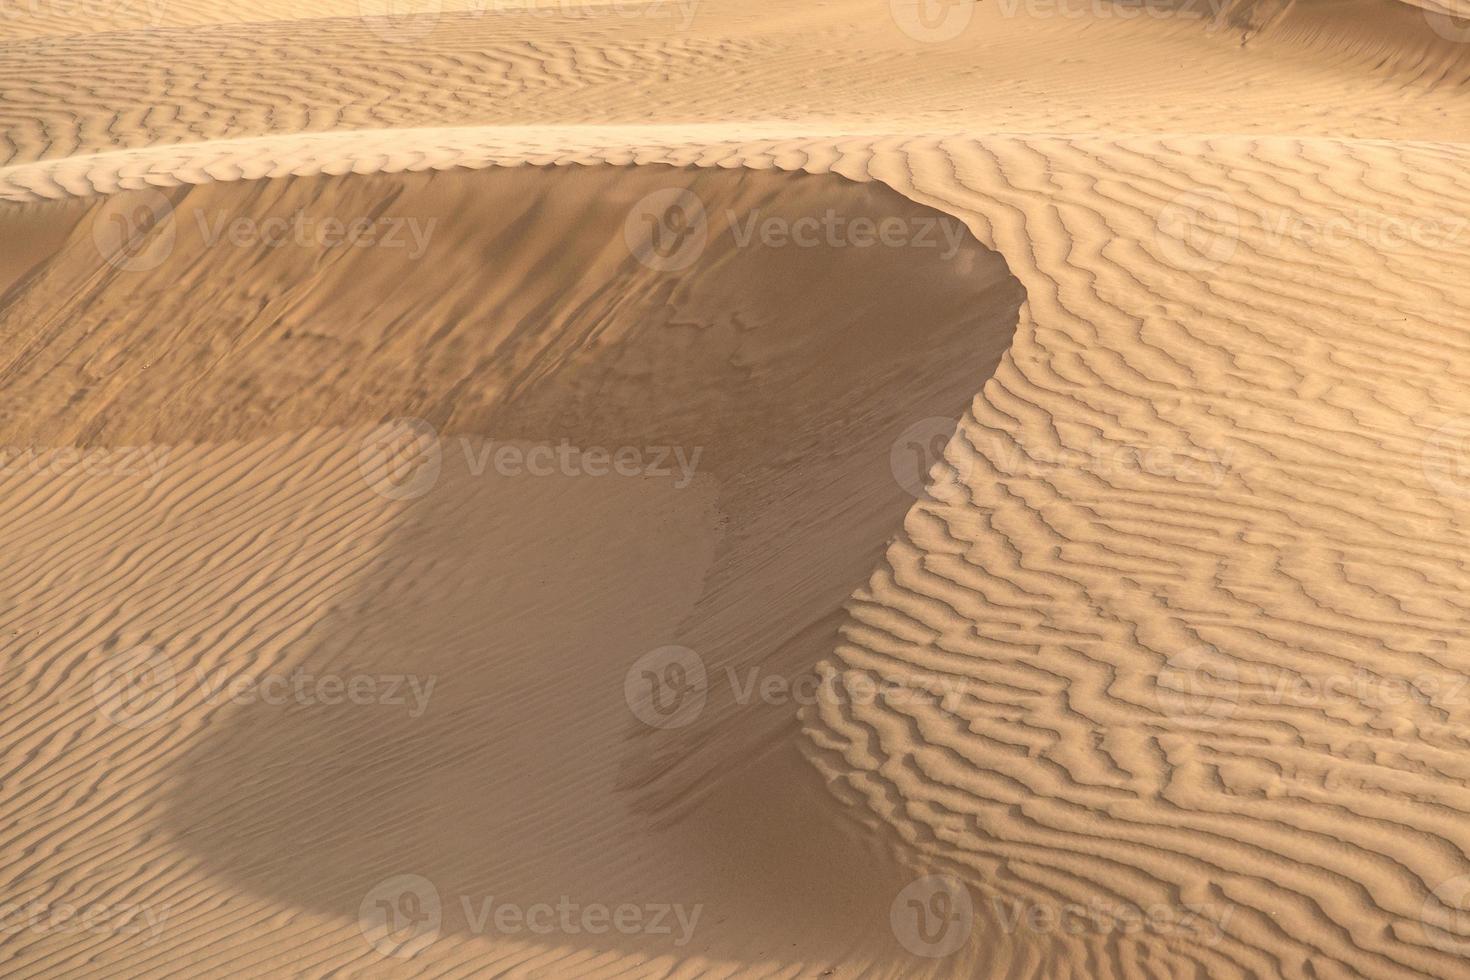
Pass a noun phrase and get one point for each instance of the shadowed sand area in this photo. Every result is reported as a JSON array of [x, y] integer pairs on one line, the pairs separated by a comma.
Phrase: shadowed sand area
[[781, 382]]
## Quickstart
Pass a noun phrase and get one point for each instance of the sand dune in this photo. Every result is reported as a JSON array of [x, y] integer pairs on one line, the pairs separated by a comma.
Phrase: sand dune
[[474, 507]]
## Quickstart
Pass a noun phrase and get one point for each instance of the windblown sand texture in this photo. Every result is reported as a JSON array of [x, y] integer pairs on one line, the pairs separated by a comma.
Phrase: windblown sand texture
[[1143, 492]]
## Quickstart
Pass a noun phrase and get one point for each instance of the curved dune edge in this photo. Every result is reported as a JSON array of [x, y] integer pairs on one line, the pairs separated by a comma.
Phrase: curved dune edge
[[267, 540], [1299, 510]]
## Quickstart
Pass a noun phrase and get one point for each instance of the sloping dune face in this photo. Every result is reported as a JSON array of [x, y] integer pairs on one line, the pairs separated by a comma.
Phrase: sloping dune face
[[443, 557]]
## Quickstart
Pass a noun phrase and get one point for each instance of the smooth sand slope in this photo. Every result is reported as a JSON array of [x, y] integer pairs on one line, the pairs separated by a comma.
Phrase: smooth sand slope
[[1145, 492]]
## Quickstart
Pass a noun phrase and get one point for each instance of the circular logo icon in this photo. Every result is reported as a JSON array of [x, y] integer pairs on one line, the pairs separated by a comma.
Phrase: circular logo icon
[[932, 21], [1198, 231], [933, 916], [1446, 916], [400, 21], [135, 688], [667, 230], [1451, 27], [666, 688], [927, 459], [134, 230], [1446, 459], [1201, 685], [400, 915], [401, 459]]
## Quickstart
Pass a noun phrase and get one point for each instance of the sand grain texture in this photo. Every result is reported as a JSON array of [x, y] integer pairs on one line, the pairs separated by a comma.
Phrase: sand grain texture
[[1187, 570]]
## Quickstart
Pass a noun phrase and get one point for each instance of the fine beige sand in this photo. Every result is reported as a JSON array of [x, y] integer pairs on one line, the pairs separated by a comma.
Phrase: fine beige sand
[[844, 488]]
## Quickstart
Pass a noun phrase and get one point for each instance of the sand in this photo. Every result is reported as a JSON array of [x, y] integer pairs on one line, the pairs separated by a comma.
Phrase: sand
[[735, 489]]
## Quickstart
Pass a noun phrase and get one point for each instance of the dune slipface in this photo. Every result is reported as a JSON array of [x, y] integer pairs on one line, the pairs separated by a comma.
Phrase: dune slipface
[[583, 431], [627, 488]]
